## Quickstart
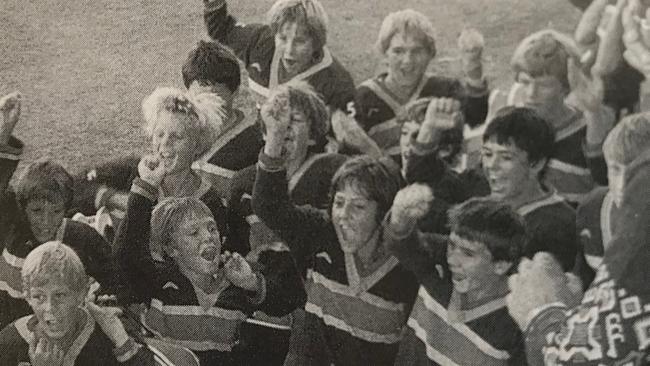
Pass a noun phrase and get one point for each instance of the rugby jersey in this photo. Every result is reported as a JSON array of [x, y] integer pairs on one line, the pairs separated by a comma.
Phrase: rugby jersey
[[175, 313], [376, 108], [254, 45], [352, 319], [439, 331]]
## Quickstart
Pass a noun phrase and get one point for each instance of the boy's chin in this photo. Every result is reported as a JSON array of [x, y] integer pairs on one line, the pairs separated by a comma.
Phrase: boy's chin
[[461, 286]]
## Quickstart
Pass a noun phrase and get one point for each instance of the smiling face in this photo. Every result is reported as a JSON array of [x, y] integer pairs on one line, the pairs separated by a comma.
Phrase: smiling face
[[172, 142], [196, 245], [56, 307], [354, 217], [45, 217], [545, 93], [471, 265], [507, 169], [408, 58], [295, 46]]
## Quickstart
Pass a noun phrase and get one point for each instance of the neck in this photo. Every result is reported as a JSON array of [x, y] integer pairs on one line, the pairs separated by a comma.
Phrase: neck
[[367, 254], [532, 191], [293, 165], [402, 91], [484, 294], [177, 183], [204, 281]]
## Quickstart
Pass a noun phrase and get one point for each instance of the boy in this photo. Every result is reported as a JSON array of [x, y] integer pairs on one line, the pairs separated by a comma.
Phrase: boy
[[310, 174], [459, 317], [541, 65], [595, 216], [34, 213], [516, 146]]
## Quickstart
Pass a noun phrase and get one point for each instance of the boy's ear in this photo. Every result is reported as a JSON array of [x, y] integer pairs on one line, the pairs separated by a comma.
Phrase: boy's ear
[[538, 166], [311, 142], [502, 267], [171, 251]]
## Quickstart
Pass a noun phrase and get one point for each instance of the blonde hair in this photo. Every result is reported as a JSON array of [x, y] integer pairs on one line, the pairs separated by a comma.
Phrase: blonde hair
[[54, 261], [406, 21], [628, 139], [309, 13], [204, 113], [545, 53]]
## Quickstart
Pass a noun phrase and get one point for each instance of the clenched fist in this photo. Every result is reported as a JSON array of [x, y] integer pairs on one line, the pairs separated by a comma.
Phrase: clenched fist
[[151, 170], [410, 204]]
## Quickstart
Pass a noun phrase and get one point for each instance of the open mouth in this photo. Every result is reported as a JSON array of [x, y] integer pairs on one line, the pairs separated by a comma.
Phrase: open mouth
[[209, 253]]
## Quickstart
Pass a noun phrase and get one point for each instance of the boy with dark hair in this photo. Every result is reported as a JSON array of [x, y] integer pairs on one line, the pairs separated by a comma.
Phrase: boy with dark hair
[[545, 69], [459, 317], [34, 213], [516, 146]]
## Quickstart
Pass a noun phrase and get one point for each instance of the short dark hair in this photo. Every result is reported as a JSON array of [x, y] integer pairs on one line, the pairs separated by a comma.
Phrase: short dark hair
[[213, 62], [493, 223], [525, 128], [379, 179], [44, 179]]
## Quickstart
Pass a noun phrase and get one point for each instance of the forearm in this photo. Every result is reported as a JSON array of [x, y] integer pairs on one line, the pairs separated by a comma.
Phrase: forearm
[[543, 322], [10, 154], [134, 354]]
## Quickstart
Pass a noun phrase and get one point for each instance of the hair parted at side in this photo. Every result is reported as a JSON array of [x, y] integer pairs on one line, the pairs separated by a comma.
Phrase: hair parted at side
[[202, 115], [545, 53], [628, 139], [308, 13], [54, 261], [166, 218], [407, 21], [44, 179], [212, 62], [493, 223], [524, 128], [378, 179]]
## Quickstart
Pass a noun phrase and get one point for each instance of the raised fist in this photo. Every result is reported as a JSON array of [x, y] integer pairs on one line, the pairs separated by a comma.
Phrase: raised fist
[[10, 105], [636, 37], [539, 282], [239, 272], [108, 321], [151, 170], [410, 204], [349, 133], [276, 114]]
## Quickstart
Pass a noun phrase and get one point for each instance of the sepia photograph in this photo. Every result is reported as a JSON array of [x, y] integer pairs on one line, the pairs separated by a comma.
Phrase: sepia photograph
[[325, 183]]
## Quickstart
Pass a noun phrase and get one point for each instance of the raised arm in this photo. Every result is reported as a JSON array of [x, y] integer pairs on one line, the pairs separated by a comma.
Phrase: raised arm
[[301, 228], [137, 267], [10, 147], [241, 38]]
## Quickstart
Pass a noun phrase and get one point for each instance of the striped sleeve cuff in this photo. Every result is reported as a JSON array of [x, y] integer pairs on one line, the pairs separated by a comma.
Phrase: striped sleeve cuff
[[13, 150], [422, 149], [144, 189], [476, 87], [592, 150], [270, 164], [538, 317], [126, 351], [260, 295]]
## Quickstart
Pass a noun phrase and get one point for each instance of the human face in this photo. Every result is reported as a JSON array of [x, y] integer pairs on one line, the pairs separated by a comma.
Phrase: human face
[[202, 86], [173, 143], [354, 218], [544, 93], [616, 180], [471, 265], [296, 47], [408, 58], [56, 307], [409, 133], [45, 217], [196, 244], [507, 169], [297, 141]]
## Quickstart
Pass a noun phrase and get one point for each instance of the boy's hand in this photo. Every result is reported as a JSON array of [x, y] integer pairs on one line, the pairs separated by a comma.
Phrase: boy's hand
[[588, 91], [442, 114], [636, 36], [151, 170], [276, 115], [539, 282], [586, 31], [108, 321], [471, 44], [610, 49], [410, 204], [239, 272], [348, 132], [45, 353], [10, 105]]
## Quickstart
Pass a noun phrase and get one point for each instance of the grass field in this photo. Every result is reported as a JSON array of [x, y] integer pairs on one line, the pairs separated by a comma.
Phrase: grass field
[[84, 66]]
